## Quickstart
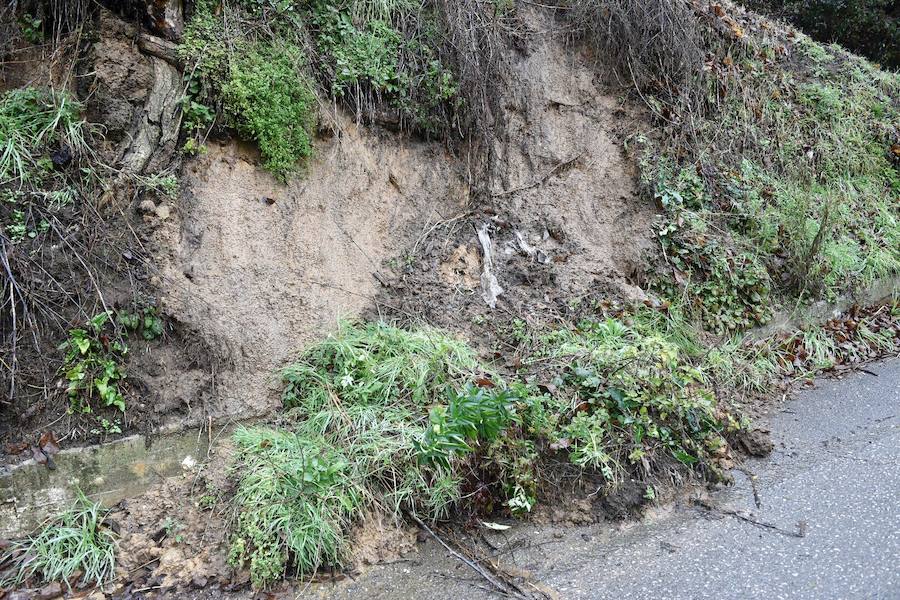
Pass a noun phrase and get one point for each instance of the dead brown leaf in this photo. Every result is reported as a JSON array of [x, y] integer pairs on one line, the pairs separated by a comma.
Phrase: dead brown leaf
[[48, 443]]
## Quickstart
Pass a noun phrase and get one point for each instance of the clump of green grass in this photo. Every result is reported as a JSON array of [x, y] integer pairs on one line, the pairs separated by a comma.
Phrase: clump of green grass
[[75, 542], [31, 121], [394, 421], [379, 365], [273, 104], [295, 500], [378, 418], [34, 123]]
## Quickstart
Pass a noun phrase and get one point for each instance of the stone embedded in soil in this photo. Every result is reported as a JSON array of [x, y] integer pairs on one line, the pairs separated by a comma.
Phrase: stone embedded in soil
[[755, 443]]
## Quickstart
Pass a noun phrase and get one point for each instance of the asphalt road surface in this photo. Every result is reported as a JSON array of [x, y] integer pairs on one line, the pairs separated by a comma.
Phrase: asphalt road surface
[[827, 524]]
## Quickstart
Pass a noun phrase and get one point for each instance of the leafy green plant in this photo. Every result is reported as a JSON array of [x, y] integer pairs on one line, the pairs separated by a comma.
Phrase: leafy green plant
[[391, 58], [145, 320], [261, 88], [107, 426], [93, 366], [193, 148], [196, 114], [367, 56], [174, 529], [628, 399], [16, 229], [728, 289], [74, 544], [32, 28], [471, 415], [257, 68]]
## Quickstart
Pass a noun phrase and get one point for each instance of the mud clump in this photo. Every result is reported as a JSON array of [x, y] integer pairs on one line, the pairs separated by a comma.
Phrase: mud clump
[[755, 442]]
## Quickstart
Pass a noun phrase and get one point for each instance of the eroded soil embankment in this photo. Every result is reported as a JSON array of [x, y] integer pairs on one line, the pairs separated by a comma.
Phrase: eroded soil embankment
[[259, 269], [385, 224], [249, 270]]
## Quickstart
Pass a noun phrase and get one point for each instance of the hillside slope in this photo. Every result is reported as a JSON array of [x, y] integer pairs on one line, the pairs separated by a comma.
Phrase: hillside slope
[[458, 259]]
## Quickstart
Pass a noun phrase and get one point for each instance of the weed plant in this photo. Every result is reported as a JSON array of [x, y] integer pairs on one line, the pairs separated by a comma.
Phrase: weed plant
[[378, 418], [625, 397], [94, 366], [74, 544], [391, 420]]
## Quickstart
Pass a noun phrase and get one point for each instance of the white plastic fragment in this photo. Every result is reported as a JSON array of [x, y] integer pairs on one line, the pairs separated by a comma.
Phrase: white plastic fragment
[[490, 288]]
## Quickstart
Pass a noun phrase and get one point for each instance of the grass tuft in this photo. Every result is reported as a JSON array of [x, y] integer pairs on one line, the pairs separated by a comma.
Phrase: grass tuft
[[393, 421], [74, 543], [378, 418], [31, 121]]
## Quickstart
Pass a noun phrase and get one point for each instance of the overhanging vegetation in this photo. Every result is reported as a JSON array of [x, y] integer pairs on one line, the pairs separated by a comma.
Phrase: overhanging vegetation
[[396, 62], [773, 158]]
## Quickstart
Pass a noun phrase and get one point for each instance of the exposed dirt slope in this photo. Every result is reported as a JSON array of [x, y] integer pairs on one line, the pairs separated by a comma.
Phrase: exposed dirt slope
[[565, 217], [564, 125], [259, 269]]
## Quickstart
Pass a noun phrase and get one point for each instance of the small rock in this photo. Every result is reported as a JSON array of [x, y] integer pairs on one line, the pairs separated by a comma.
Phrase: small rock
[[49, 591], [163, 212], [147, 207], [199, 581], [756, 442], [62, 156]]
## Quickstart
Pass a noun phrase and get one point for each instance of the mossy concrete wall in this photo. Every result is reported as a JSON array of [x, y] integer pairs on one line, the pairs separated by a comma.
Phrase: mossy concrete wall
[[819, 312], [31, 492]]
